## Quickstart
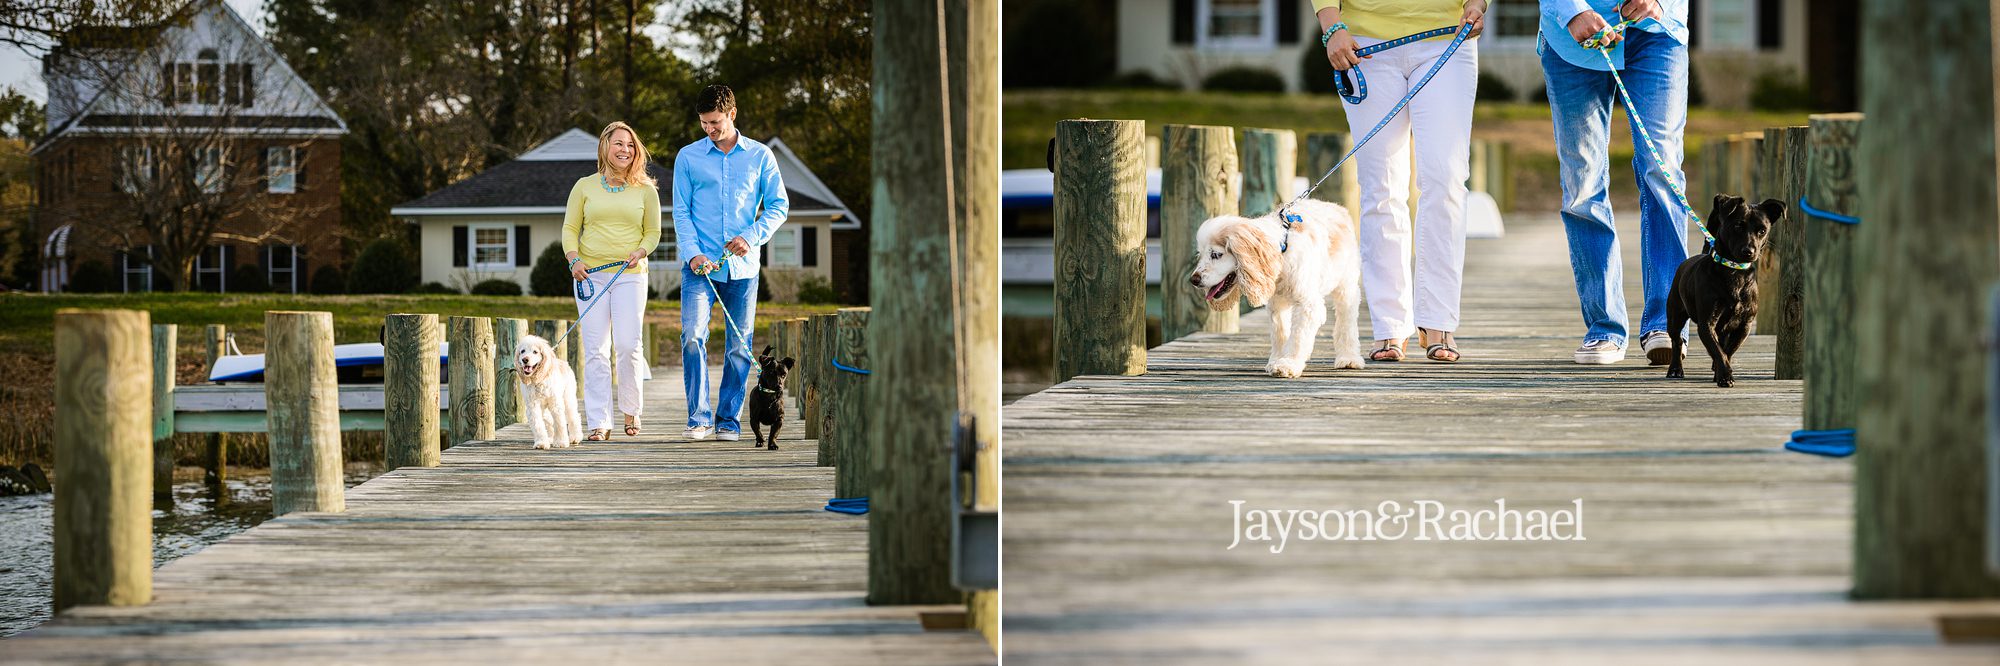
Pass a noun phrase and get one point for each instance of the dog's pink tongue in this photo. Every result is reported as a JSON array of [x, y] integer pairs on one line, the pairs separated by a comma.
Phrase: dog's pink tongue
[[1215, 292]]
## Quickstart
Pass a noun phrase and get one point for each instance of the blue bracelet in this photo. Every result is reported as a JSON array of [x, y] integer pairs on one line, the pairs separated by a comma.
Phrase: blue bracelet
[[1328, 35]]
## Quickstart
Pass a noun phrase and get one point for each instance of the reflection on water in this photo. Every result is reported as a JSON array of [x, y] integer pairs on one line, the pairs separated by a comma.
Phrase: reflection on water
[[199, 515]]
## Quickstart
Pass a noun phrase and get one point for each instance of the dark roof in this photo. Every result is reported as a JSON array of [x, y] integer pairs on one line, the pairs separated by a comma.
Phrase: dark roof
[[252, 122], [533, 183]]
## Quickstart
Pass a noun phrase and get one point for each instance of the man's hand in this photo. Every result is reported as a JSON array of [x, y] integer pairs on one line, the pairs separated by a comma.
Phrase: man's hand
[[1340, 51], [737, 246], [701, 265], [1585, 25], [1634, 10], [1475, 14], [576, 268]]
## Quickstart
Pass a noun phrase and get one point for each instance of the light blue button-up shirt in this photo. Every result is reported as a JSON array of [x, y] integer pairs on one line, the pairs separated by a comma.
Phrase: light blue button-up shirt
[[1555, 28], [719, 196]]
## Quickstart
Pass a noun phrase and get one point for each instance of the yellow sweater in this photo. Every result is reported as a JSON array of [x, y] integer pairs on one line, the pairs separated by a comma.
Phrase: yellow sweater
[[1389, 19], [602, 226]]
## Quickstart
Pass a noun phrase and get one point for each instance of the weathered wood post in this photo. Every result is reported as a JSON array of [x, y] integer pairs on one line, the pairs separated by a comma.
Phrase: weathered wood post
[[850, 462], [472, 379], [652, 344], [103, 491], [1323, 149], [1764, 165], [826, 326], [1198, 182], [1270, 160], [1928, 246], [550, 329], [1788, 241], [507, 406], [164, 338], [1499, 174], [574, 345], [1829, 274], [216, 456], [410, 390], [302, 412], [810, 364], [794, 337], [1100, 248]]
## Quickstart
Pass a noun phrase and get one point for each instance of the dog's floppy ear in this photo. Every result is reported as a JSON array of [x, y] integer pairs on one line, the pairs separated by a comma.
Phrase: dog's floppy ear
[[1773, 209], [787, 362], [1726, 207], [1256, 261], [767, 350]]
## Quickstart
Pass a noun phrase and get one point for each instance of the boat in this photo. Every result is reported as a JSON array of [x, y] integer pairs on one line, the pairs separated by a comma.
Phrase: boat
[[359, 363]]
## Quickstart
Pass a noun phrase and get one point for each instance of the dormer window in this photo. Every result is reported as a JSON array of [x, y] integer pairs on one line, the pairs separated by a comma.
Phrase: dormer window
[[210, 82]]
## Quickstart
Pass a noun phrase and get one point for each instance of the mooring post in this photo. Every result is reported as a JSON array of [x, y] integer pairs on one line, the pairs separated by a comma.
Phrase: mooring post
[[164, 339], [1766, 164], [507, 406], [574, 345], [794, 339], [410, 390], [1829, 274], [1100, 248], [1788, 241], [829, 391], [1270, 161], [103, 491], [851, 468], [1323, 150], [550, 329], [1926, 251], [1197, 182], [302, 412], [472, 379], [216, 455], [652, 344]]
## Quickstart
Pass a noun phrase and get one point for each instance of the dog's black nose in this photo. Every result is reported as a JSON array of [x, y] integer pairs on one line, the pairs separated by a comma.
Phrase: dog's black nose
[[1195, 279]]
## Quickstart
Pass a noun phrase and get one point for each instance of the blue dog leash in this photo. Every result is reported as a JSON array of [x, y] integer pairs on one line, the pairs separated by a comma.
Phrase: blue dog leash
[[1285, 215], [1357, 91], [729, 323], [590, 299]]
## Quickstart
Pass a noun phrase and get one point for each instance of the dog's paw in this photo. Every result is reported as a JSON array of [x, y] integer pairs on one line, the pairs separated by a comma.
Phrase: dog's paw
[[1725, 382], [1675, 372], [1348, 363], [1286, 369], [541, 446]]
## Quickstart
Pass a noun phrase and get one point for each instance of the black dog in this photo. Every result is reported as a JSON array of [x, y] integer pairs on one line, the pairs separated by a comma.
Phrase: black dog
[[1721, 299], [767, 402]]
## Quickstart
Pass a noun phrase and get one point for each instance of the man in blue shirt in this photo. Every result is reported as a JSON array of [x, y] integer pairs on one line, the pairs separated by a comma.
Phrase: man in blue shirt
[[728, 200], [1652, 57]]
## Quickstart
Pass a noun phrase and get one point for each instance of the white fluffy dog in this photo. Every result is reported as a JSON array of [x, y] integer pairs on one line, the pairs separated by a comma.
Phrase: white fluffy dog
[[1294, 273], [548, 387]]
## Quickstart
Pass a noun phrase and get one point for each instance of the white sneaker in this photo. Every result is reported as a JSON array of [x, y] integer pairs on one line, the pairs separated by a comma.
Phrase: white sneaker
[[698, 433], [1600, 352], [1660, 348], [727, 435]]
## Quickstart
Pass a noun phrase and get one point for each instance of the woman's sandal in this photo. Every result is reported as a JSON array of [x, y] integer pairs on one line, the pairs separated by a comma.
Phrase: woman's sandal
[[1437, 352], [598, 435], [1391, 351], [631, 426]]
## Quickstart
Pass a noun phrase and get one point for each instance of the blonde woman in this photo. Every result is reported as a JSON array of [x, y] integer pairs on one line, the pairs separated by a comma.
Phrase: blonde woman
[[1440, 117], [613, 216]]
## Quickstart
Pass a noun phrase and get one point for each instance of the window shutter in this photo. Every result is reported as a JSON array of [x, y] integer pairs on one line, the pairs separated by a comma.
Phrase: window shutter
[[299, 274], [167, 83], [249, 85], [1183, 21], [808, 246], [521, 247], [458, 245], [299, 169], [228, 257], [1288, 21]]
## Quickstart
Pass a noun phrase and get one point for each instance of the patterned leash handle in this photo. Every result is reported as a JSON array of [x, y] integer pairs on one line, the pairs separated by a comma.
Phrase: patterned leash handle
[[728, 322], [1463, 32], [590, 299], [1357, 91]]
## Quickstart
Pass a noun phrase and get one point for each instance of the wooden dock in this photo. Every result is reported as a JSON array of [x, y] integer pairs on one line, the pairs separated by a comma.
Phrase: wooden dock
[[1706, 542], [639, 550]]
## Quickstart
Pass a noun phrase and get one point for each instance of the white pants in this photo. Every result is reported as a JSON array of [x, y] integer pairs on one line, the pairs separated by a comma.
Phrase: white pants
[[615, 324], [1441, 117]]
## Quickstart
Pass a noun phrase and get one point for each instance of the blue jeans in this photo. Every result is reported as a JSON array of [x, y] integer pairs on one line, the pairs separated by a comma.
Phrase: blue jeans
[[1656, 72], [739, 299]]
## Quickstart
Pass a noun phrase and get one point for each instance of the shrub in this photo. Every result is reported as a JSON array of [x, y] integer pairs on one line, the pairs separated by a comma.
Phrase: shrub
[[497, 287], [433, 288], [93, 277], [816, 290], [1140, 79], [1494, 89], [551, 274], [249, 279], [1315, 73], [1243, 79], [385, 266], [328, 280], [784, 282], [1780, 91]]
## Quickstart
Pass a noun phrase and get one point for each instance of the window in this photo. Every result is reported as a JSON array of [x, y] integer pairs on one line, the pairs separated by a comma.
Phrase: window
[[239, 88], [784, 247], [1729, 25], [282, 267], [280, 170], [211, 82], [1512, 23], [664, 254], [211, 269], [137, 270], [208, 169], [493, 248], [137, 168], [1237, 23]]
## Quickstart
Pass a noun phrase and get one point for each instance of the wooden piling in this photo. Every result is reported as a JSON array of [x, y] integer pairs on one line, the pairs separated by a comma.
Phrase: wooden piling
[[1323, 150], [302, 412], [1270, 159], [104, 484], [1927, 248], [550, 329], [1829, 274], [574, 346], [164, 340], [851, 467], [1765, 164], [829, 396], [1197, 182], [472, 379], [1788, 245], [1100, 248], [507, 406], [410, 390], [652, 344], [216, 454], [810, 364], [794, 335]]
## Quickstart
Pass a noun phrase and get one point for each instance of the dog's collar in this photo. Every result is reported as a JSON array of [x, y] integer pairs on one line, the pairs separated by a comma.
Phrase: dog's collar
[[760, 388], [1738, 265], [1286, 219]]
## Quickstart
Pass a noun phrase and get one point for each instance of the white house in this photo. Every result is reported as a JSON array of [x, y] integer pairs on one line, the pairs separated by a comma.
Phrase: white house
[[1185, 40], [494, 224]]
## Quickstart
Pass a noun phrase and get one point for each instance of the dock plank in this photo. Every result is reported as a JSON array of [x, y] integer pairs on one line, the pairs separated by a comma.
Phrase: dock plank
[[1704, 540]]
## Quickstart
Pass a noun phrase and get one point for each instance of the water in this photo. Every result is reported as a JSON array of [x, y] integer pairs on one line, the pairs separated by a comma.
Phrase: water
[[200, 515]]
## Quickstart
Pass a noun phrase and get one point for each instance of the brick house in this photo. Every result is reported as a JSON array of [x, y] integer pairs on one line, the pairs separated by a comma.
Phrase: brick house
[[195, 113]]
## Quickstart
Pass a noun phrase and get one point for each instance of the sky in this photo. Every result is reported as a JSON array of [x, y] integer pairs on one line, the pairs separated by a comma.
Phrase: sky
[[24, 71]]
